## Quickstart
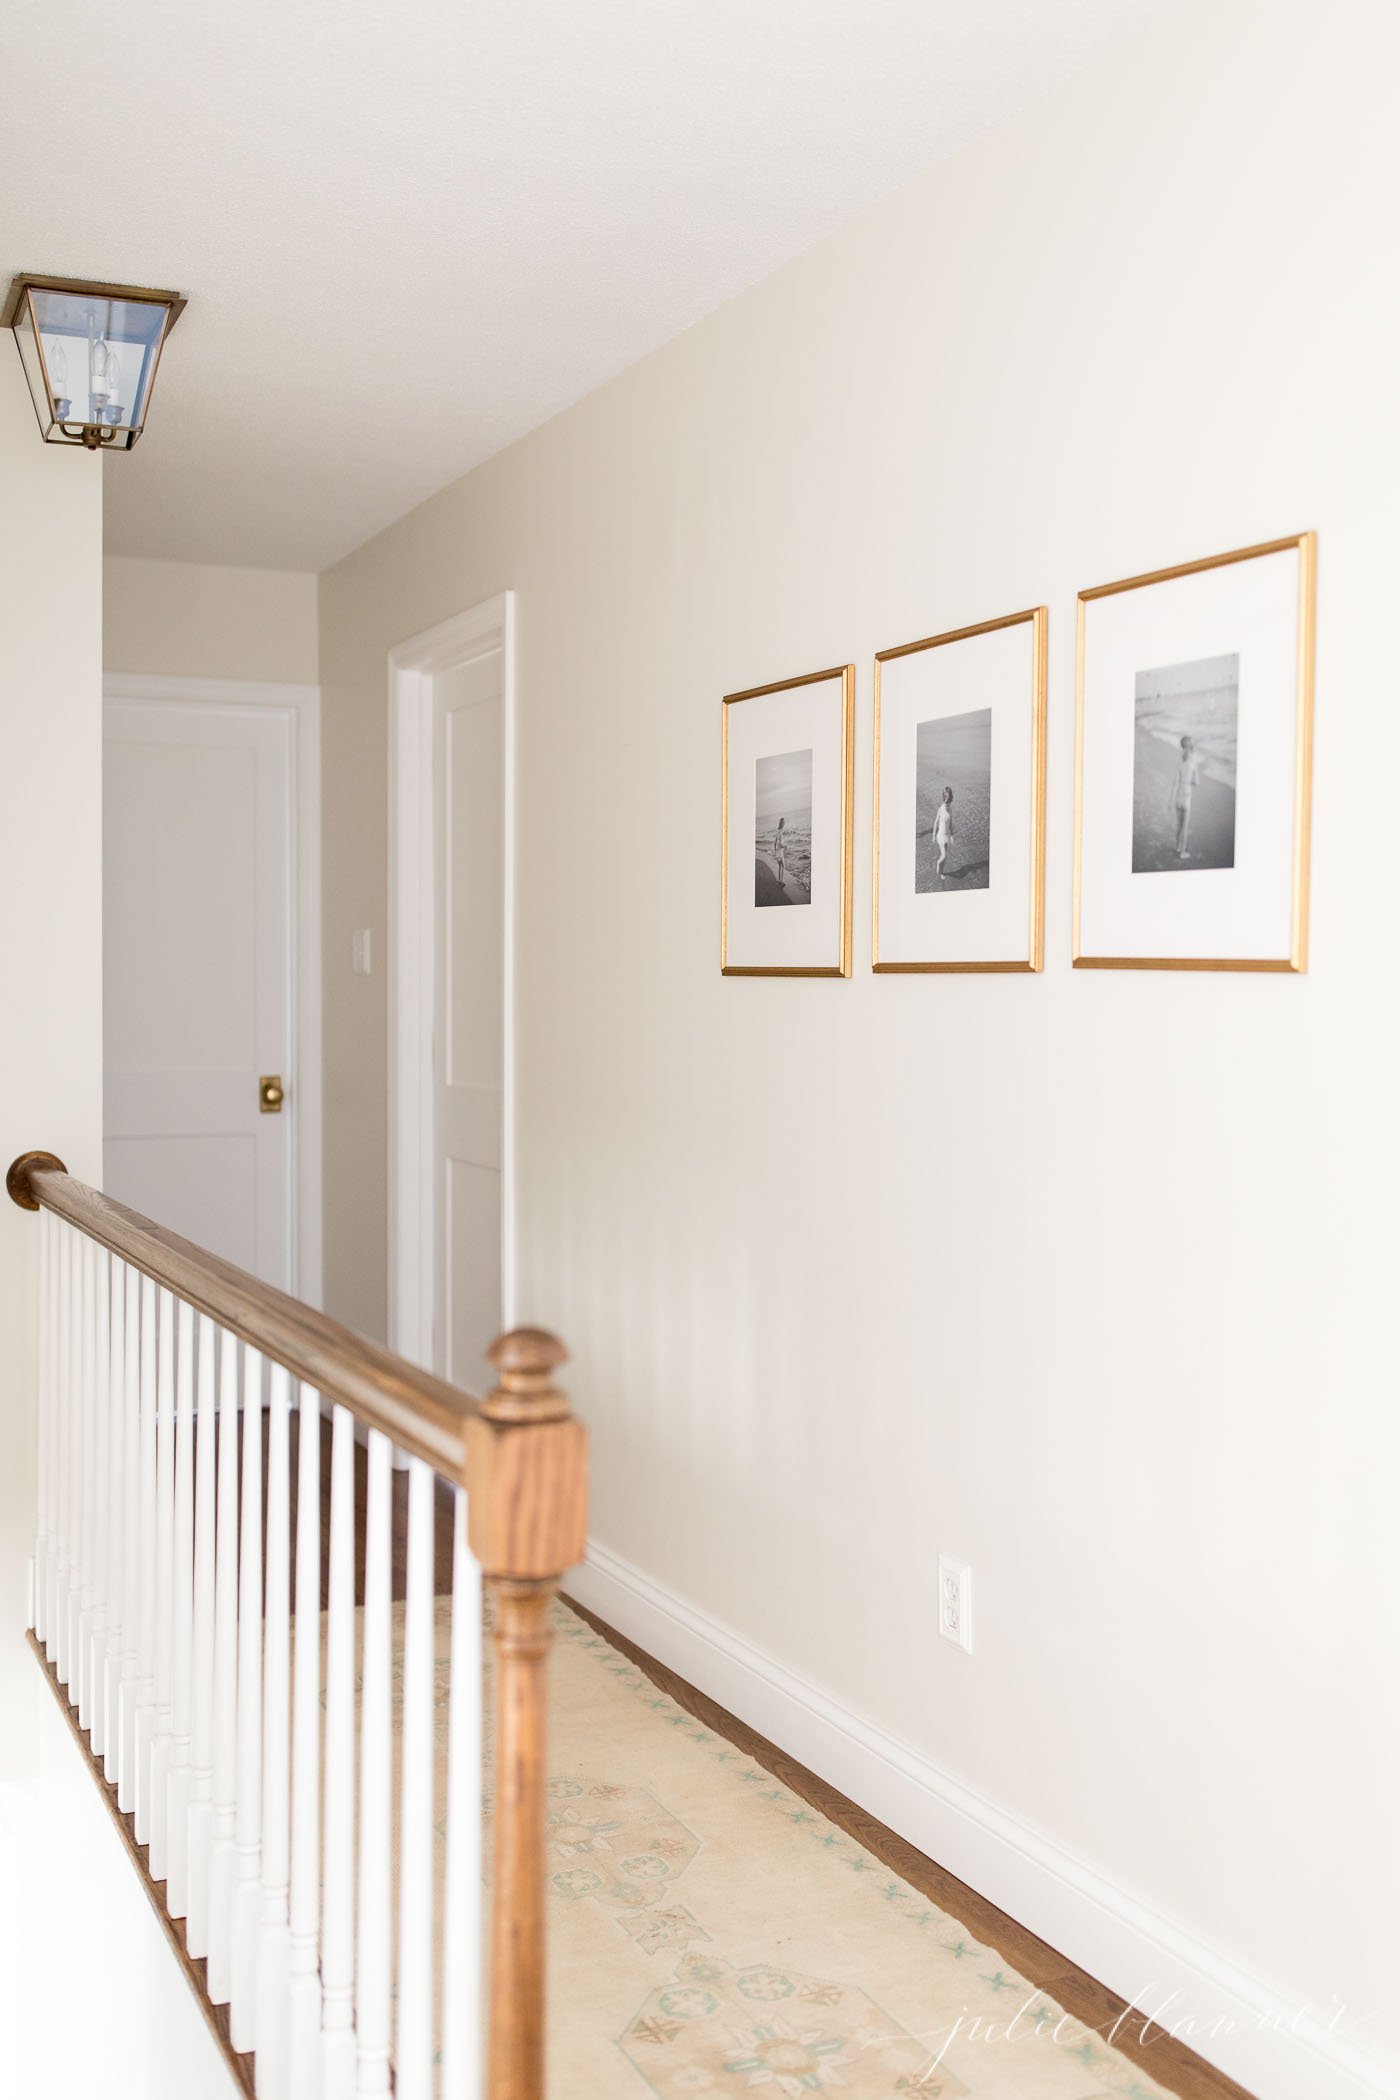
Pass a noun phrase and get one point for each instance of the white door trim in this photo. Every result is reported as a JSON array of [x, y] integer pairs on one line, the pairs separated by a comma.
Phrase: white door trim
[[413, 665], [301, 704]]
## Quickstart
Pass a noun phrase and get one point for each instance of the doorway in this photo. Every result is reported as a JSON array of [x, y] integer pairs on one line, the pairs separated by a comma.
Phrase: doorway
[[211, 967], [451, 860]]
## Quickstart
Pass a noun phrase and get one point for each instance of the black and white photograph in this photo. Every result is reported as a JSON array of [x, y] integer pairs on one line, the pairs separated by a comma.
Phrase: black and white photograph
[[787, 761], [1195, 687], [953, 803], [783, 829], [1185, 738], [951, 712]]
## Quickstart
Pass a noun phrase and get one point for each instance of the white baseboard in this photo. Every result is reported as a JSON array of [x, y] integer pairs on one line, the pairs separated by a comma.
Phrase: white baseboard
[[1276, 2050]]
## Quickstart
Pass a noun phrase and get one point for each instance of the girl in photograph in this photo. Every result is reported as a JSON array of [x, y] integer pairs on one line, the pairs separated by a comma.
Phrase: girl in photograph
[[780, 851], [943, 831], [1188, 778]]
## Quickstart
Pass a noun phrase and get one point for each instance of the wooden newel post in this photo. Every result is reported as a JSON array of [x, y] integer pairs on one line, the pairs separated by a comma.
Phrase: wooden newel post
[[527, 1497]]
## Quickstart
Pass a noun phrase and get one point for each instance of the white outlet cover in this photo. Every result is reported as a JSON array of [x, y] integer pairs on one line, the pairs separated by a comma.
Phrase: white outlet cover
[[360, 952], [955, 1601]]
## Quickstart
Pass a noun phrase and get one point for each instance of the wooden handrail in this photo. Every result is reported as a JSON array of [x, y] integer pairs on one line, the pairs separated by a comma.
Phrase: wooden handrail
[[426, 1417]]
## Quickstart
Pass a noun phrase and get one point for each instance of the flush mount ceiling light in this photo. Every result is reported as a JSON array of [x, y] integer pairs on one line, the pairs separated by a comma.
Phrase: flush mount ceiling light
[[90, 353]]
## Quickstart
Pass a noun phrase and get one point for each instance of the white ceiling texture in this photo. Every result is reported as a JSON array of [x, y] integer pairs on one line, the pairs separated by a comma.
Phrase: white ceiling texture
[[411, 230]]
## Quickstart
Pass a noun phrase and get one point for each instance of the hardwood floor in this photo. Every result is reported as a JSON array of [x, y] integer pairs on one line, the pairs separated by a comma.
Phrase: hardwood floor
[[1169, 2062], [398, 1550]]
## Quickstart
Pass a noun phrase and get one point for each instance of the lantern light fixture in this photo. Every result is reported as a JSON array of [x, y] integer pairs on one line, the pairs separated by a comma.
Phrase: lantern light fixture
[[90, 353]]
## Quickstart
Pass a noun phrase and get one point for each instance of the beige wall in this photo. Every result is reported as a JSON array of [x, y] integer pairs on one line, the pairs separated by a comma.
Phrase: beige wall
[[187, 619], [50, 928], [1086, 1277]]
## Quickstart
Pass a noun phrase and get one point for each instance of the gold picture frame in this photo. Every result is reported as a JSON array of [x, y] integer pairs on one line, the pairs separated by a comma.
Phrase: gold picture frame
[[846, 673], [1296, 961], [1038, 619]]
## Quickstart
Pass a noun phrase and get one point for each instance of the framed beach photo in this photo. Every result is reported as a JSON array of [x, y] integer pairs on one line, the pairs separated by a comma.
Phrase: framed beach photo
[[959, 836], [786, 800], [1194, 765]]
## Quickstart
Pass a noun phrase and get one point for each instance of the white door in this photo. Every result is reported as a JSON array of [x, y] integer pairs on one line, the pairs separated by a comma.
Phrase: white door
[[468, 1011], [198, 944]]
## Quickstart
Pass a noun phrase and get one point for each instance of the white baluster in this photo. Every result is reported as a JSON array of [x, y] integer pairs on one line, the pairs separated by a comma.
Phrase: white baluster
[[274, 1938], [304, 1902], [372, 1968], [58, 1486], [413, 2053], [101, 1498], [80, 1618], [40, 1613], [51, 1427], [58, 1396], [461, 1930], [116, 1514], [165, 1571], [243, 1954], [132, 1546], [39, 1599], [73, 1528], [68, 1378], [64, 1450], [338, 1930], [144, 1702], [223, 1860], [201, 1798], [181, 1626]]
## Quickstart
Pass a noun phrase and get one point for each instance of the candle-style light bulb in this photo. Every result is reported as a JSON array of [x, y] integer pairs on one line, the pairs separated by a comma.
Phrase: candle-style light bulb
[[114, 383], [58, 379], [99, 367]]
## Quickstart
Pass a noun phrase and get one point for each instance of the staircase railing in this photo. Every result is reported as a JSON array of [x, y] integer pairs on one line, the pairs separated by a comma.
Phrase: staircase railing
[[267, 1727]]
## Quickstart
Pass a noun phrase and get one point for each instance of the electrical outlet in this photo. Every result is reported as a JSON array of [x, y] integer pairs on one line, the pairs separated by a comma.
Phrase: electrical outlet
[[360, 953], [955, 1601]]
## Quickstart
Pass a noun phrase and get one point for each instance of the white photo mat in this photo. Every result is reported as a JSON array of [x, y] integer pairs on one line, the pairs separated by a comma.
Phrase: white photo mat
[[1256, 608], [983, 910], [811, 937]]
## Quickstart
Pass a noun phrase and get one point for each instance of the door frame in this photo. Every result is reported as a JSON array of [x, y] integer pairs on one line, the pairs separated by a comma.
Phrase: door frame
[[300, 705], [413, 666]]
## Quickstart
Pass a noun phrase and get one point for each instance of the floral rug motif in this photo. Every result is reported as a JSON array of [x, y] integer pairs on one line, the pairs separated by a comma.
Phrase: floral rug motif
[[719, 2030], [614, 1843]]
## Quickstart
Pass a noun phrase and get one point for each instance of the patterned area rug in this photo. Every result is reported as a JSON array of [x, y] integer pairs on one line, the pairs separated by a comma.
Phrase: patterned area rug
[[712, 1935]]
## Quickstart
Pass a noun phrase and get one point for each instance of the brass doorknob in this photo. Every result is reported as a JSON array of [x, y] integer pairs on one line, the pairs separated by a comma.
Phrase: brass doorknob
[[270, 1094]]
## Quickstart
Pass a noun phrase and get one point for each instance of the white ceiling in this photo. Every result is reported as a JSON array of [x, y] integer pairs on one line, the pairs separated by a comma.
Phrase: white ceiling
[[410, 232]]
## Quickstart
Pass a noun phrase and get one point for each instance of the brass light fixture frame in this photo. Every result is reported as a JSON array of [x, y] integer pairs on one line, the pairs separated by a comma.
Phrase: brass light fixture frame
[[94, 437]]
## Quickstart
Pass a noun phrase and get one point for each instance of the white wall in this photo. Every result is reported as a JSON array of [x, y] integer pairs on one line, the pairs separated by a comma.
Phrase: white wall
[[71, 1909], [92, 1997], [1085, 1278], [50, 927], [196, 620]]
